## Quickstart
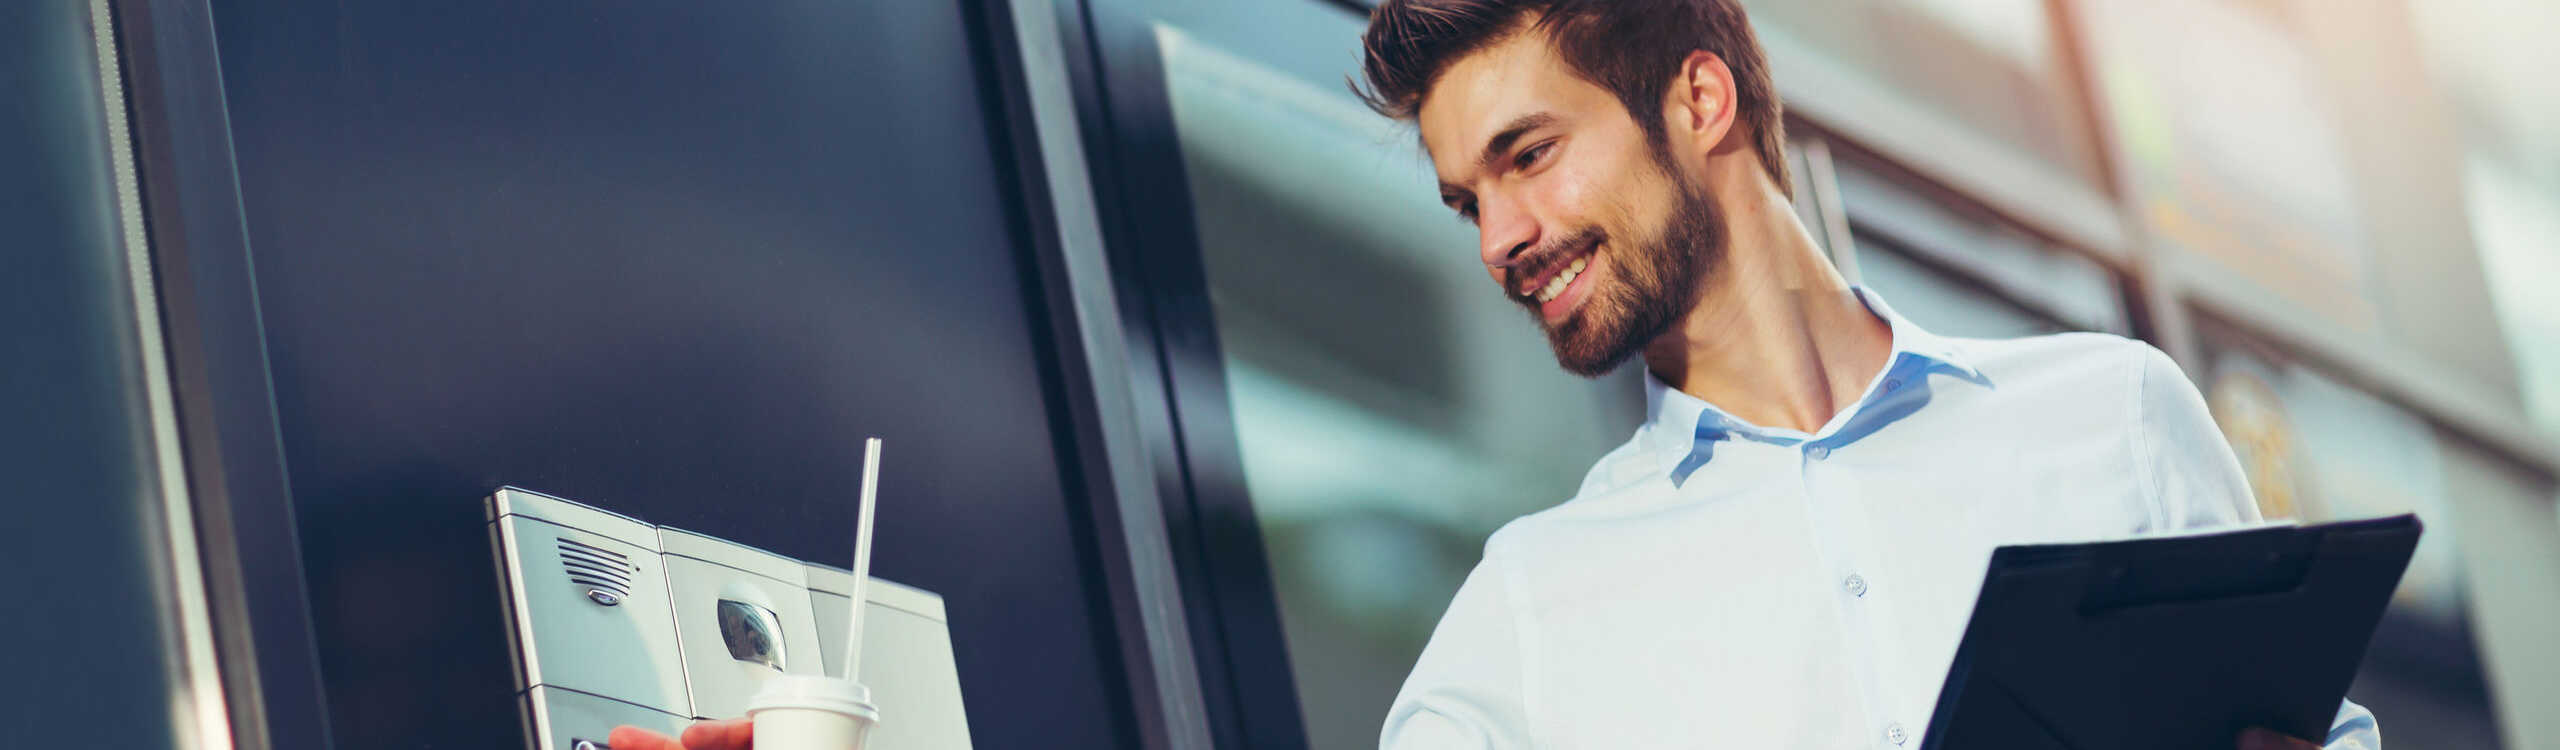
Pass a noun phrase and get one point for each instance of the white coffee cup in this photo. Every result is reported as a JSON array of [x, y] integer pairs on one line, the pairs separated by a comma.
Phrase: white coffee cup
[[812, 712]]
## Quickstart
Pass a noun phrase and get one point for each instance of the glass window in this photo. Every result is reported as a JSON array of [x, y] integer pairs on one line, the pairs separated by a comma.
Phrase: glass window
[[1992, 66], [1963, 271], [2232, 148], [1392, 408], [2514, 220], [2511, 564], [1944, 302], [2317, 448]]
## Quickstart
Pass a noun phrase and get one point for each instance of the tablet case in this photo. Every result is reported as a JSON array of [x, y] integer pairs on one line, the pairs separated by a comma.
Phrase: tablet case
[[2169, 642]]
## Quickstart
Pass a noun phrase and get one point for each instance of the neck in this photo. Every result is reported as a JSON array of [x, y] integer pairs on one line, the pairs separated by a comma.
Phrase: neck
[[1777, 338]]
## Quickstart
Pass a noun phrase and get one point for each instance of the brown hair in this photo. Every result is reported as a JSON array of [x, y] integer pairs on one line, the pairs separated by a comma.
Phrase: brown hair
[[1630, 47]]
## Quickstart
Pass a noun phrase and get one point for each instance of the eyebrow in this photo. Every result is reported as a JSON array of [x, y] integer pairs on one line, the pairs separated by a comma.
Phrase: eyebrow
[[1499, 144], [1509, 134]]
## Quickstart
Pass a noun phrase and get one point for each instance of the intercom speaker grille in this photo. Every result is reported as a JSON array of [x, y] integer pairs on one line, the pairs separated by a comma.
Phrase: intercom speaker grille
[[597, 568]]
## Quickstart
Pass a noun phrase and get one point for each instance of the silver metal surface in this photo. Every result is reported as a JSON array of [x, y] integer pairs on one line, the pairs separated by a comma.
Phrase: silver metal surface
[[718, 551], [567, 717], [200, 705], [561, 637], [530, 504], [752, 633], [885, 593], [907, 660], [659, 656], [703, 572]]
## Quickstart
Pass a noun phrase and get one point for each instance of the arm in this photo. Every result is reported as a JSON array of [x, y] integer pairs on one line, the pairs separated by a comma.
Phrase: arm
[[1465, 692], [2196, 482]]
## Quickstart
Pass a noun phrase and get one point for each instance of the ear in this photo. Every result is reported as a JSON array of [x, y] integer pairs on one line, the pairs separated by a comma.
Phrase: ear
[[1700, 106]]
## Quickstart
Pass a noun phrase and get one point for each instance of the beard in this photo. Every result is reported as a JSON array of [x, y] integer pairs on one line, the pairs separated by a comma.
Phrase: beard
[[1650, 287]]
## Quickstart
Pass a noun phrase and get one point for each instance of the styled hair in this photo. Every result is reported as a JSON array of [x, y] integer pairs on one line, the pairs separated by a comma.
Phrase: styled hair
[[1633, 48]]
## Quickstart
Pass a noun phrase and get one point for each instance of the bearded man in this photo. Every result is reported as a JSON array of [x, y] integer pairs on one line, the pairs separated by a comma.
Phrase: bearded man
[[1785, 554]]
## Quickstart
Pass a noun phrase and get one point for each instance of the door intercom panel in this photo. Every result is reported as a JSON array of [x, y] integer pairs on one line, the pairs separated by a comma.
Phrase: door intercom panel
[[616, 621]]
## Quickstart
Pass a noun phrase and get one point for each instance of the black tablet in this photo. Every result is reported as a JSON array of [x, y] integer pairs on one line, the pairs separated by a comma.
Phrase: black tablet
[[2169, 642]]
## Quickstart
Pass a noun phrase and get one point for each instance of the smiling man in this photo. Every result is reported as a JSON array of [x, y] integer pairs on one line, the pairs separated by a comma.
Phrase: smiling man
[[1785, 553]]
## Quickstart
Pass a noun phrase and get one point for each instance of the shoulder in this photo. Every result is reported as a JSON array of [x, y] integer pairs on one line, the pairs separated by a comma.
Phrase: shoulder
[[2132, 374], [2099, 384], [1621, 467], [1615, 486], [1609, 482], [2096, 356], [2097, 370]]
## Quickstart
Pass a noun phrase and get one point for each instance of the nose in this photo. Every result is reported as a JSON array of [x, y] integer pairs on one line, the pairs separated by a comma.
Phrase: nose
[[1504, 231]]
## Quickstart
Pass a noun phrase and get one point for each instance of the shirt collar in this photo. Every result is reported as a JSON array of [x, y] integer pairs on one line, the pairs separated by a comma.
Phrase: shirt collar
[[1681, 426]]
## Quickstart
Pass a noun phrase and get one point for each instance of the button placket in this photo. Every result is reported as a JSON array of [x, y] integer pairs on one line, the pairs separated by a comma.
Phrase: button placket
[[1846, 540], [1840, 537]]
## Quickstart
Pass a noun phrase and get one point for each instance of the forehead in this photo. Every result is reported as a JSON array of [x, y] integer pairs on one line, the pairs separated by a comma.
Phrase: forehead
[[1490, 88]]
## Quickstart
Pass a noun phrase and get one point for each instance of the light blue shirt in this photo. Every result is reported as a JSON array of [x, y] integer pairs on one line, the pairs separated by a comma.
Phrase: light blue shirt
[[1716, 583]]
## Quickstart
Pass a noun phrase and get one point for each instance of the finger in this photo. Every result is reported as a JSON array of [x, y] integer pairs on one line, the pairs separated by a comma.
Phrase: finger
[[731, 734], [2255, 739], [635, 738]]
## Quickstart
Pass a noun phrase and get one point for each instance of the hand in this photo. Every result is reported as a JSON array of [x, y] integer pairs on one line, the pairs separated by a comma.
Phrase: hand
[[2254, 739], [732, 734]]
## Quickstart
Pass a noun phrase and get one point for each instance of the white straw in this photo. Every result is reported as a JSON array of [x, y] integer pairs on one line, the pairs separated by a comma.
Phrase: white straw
[[862, 560]]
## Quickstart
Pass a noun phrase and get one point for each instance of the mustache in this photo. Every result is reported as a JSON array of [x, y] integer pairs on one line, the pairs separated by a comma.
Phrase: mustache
[[1546, 257]]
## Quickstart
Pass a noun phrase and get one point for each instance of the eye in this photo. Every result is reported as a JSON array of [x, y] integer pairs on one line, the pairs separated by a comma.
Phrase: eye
[[1532, 155], [1466, 210]]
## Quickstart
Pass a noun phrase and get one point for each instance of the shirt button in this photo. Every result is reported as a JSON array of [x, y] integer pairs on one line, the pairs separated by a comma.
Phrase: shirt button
[[1893, 733], [1856, 585], [1893, 384], [1818, 452]]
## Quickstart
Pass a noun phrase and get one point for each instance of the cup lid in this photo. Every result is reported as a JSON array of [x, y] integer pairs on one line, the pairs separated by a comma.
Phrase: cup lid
[[817, 692]]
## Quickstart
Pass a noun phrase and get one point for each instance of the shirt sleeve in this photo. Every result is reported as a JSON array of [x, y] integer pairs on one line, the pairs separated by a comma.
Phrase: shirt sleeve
[[2195, 483], [1465, 692], [2189, 471]]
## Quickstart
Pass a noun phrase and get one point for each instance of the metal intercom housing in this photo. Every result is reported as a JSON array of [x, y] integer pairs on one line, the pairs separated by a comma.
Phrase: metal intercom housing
[[616, 621]]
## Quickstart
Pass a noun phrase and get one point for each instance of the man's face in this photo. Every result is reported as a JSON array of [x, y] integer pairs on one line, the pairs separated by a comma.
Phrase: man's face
[[1581, 218]]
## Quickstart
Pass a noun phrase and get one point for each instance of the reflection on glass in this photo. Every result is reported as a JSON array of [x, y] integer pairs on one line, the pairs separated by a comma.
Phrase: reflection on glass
[[1392, 408], [1901, 215], [1942, 303], [1991, 66], [2234, 148], [2513, 221], [751, 634], [2316, 448]]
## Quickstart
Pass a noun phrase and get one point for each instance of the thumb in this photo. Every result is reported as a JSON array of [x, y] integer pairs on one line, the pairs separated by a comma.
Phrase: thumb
[[731, 734], [635, 738]]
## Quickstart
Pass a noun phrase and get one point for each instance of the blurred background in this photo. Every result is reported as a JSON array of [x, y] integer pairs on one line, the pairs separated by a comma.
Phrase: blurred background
[[2342, 218], [1198, 406]]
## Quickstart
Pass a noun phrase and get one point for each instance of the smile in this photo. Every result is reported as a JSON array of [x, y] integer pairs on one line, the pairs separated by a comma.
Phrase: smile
[[1562, 286], [1556, 284]]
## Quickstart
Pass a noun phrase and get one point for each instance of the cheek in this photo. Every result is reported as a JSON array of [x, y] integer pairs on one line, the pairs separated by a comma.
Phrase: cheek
[[1647, 204], [1605, 196], [1571, 193]]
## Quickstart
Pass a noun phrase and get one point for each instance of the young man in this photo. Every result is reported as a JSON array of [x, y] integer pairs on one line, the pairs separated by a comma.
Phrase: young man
[[1785, 554]]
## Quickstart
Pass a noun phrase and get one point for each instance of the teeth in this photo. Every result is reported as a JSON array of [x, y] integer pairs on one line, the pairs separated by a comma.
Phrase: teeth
[[1556, 285]]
